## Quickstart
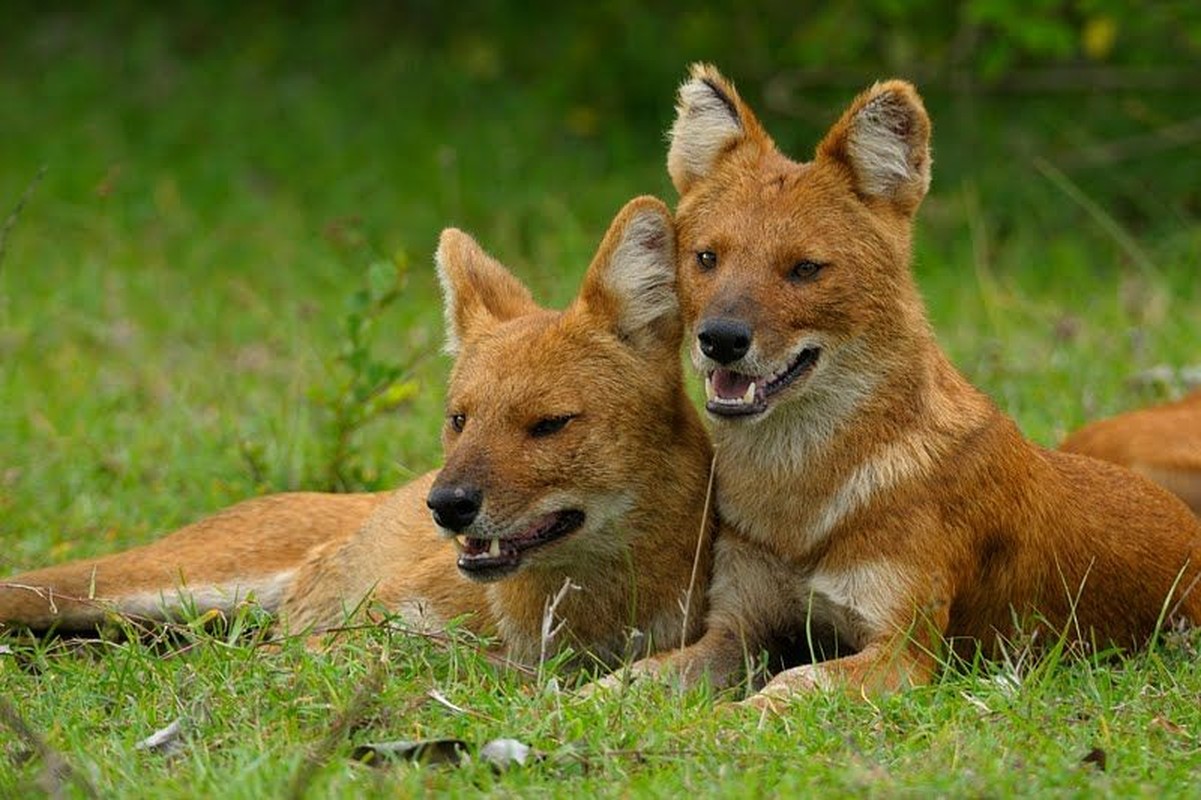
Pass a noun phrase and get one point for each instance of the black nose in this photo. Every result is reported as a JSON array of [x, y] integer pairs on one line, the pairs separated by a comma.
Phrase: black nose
[[724, 340], [455, 506]]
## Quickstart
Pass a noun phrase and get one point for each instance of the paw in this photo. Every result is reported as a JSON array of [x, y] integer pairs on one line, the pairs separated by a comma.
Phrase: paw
[[620, 679], [610, 684], [783, 689], [645, 671], [761, 704]]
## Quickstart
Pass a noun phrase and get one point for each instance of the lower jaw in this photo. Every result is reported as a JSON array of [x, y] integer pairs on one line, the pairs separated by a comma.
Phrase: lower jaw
[[492, 569], [762, 404], [733, 412], [488, 572]]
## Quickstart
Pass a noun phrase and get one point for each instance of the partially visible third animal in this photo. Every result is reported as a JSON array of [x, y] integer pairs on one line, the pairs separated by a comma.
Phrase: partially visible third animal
[[1162, 443]]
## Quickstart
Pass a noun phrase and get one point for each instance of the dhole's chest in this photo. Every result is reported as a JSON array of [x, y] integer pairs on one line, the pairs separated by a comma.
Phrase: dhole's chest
[[823, 603]]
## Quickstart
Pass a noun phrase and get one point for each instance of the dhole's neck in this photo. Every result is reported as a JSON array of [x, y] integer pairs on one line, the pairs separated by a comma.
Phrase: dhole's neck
[[882, 415], [868, 388]]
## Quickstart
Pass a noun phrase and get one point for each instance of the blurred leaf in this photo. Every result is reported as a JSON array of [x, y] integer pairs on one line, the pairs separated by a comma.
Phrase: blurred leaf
[[395, 396], [428, 751], [501, 754], [505, 753], [165, 741], [382, 277], [1098, 37], [1096, 757]]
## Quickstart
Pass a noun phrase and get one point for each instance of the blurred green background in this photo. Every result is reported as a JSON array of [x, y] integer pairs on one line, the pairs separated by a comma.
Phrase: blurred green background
[[217, 181]]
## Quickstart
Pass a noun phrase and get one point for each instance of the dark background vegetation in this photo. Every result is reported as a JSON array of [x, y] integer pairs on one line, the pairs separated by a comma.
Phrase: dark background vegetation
[[467, 102]]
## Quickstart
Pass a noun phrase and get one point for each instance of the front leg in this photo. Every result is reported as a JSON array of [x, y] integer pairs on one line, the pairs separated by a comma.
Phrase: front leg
[[899, 647], [879, 668], [752, 597], [719, 656]]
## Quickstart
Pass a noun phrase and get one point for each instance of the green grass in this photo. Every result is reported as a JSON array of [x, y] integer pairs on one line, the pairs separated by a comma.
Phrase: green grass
[[171, 302], [253, 718]]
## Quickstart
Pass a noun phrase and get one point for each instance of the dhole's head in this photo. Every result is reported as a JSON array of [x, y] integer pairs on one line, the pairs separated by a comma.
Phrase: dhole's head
[[794, 277], [555, 420]]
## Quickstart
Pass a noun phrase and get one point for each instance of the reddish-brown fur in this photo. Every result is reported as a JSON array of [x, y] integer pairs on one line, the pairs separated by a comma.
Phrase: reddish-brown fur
[[880, 505], [1162, 443], [611, 360]]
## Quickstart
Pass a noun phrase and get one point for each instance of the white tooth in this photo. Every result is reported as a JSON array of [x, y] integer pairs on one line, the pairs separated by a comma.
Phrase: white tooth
[[494, 550], [749, 397], [459, 545], [710, 392]]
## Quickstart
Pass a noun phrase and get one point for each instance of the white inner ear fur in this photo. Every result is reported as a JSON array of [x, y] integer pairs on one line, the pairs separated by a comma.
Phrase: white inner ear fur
[[705, 125], [641, 273], [453, 341], [880, 150]]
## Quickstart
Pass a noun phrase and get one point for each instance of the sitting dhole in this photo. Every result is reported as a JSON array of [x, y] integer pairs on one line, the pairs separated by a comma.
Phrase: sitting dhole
[[571, 450], [875, 505], [1162, 443]]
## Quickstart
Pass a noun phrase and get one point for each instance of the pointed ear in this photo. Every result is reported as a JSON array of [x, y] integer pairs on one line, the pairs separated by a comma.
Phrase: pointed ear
[[711, 122], [883, 139], [477, 291], [631, 285]]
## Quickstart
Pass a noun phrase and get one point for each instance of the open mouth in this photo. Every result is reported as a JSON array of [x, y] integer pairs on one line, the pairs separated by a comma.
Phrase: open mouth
[[492, 559], [732, 394]]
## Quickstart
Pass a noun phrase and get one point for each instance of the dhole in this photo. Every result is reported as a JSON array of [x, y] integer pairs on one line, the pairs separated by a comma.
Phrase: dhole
[[572, 452], [1162, 443], [875, 505]]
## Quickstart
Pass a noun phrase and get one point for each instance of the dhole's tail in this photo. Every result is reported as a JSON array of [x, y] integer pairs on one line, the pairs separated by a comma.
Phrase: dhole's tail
[[250, 550], [1162, 443]]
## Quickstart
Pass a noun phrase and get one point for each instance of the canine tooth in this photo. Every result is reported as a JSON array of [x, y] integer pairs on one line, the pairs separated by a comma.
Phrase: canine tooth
[[494, 549], [710, 392], [749, 397], [459, 545]]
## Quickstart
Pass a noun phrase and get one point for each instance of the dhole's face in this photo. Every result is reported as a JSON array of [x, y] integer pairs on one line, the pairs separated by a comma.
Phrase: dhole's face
[[545, 423], [554, 420], [792, 276], [780, 268]]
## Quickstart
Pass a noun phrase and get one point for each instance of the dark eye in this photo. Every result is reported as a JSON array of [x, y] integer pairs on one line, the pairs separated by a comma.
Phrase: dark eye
[[706, 260], [550, 425], [457, 421], [804, 270]]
